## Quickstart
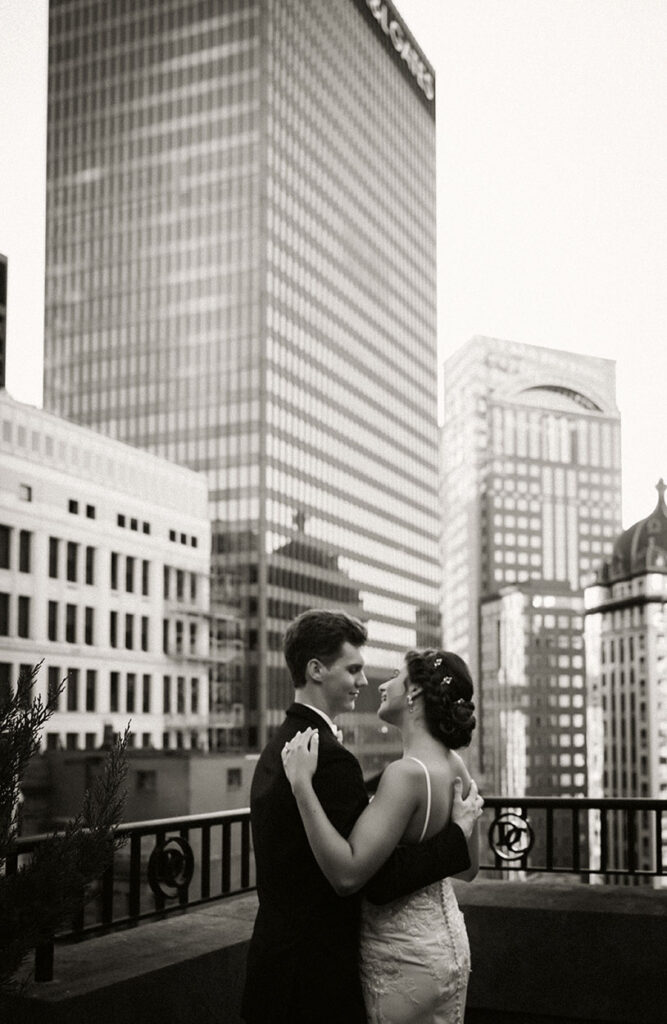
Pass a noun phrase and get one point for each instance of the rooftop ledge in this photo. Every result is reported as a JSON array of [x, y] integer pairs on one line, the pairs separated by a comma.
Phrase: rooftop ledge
[[541, 952]]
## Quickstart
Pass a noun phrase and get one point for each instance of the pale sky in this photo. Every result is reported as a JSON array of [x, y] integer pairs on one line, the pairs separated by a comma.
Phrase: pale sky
[[552, 190]]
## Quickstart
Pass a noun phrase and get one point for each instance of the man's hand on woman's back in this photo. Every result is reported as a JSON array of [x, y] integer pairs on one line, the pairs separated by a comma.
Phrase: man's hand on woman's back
[[466, 812]]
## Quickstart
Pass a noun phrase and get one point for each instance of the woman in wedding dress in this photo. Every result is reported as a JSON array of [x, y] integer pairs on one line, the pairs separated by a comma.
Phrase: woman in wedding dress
[[414, 953]]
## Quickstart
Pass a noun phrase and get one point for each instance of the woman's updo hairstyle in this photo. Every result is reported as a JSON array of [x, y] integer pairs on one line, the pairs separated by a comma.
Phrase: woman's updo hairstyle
[[447, 689]]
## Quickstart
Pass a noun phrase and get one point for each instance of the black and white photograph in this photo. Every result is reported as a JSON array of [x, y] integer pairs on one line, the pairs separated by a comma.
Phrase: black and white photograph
[[333, 516]]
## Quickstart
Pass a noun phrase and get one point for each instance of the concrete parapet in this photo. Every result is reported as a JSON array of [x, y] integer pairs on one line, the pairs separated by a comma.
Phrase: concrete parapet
[[541, 952]]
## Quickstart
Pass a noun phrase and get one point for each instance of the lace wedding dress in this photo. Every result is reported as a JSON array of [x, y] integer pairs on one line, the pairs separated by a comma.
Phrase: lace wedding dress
[[415, 957]]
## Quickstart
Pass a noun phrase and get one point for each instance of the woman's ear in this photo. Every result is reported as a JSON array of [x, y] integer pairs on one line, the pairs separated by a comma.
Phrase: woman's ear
[[415, 691]]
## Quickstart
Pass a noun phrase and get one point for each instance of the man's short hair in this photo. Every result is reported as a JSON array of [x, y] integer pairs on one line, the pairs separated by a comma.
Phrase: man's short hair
[[319, 633]]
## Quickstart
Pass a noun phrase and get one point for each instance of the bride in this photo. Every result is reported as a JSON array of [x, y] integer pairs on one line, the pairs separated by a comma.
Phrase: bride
[[414, 953]]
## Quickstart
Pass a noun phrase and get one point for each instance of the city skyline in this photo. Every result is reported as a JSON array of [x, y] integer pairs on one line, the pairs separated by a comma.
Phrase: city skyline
[[551, 155]]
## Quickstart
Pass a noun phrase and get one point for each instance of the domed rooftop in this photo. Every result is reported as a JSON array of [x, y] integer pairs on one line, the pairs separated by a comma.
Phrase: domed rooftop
[[643, 547]]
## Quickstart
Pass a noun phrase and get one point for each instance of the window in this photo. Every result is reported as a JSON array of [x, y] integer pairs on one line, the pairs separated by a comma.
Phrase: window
[[53, 620], [120, 519], [165, 581], [89, 741], [144, 577], [114, 686], [24, 617], [180, 695], [146, 527], [70, 623], [89, 626], [4, 614], [52, 741], [113, 629], [90, 565], [146, 694], [53, 686], [25, 492], [90, 511], [147, 779], [114, 571], [129, 632], [166, 695], [193, 637], [129, 574], [72, 741], [24, 686], [165, 635], [193, 586], [54, 545], [234, 778], [131, 695], [134, 525], [72, 689], [5, 683], [72, 559], [180, 580], [194, 696], [73, 506], [91, 689], [144, 632], [146, 740], [5, 537]]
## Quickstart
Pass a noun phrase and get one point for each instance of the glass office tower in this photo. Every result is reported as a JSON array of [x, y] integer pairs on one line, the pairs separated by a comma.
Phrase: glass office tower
[[531, 504], [241, 277]]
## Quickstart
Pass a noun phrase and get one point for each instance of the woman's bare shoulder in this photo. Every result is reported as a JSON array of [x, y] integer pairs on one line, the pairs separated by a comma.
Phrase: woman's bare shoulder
[[403, 772], [459, 768]]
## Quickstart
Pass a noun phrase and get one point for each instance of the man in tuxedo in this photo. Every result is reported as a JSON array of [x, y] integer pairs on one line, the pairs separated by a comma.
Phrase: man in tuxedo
[[302, 962]]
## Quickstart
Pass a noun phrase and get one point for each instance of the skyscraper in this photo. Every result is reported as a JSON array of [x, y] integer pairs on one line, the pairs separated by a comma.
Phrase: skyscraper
[[626, 656], [531, 502], [241, 277]]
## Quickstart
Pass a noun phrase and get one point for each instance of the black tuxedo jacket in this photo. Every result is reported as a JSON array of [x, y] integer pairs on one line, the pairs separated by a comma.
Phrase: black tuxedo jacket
[[302, 961]]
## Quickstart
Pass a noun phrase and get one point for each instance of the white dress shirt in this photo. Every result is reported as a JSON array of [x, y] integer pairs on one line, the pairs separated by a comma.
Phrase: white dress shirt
[[338, 733]]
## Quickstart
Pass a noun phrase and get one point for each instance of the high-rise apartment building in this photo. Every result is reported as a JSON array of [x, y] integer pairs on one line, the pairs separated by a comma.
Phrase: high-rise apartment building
[[104, 576], [626, 668], [241, 276], [531, 502]]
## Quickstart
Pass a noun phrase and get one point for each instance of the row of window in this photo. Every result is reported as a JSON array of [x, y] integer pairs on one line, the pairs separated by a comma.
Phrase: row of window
[[133, 523], [22, 615], [71, 623], [24, 549], [73, 507], [73, 689], [172, 739], [73, 569]]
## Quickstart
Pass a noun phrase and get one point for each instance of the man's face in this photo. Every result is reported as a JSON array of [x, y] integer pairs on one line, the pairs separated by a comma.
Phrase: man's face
[[342, 680]]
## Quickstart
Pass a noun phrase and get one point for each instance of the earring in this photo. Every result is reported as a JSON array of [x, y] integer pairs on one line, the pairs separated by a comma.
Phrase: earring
[[411, 703]]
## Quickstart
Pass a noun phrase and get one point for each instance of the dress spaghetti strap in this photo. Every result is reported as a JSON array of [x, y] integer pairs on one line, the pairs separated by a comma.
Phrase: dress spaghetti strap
[[428, 795]]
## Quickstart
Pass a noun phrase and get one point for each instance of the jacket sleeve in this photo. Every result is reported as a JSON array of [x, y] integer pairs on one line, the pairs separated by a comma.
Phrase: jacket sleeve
[[412, 867]]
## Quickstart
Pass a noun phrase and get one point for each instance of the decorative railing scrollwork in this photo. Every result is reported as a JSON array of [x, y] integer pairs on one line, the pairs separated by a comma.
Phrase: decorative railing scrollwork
[[170, 867]]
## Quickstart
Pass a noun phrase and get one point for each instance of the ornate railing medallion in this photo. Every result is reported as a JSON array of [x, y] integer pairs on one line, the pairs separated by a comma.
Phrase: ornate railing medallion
[[511, 837]]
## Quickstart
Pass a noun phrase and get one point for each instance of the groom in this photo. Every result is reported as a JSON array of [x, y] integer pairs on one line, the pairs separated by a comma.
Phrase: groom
[[302, 962]]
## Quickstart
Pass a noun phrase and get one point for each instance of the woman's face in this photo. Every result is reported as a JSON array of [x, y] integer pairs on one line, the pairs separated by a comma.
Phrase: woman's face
[[392, 695]]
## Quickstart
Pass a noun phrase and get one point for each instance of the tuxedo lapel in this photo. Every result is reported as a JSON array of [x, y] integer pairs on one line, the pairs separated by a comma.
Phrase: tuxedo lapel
[[304, 717]]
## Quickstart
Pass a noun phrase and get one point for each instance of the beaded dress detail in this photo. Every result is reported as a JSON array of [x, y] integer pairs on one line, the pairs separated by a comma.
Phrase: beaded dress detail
[[414, 954]]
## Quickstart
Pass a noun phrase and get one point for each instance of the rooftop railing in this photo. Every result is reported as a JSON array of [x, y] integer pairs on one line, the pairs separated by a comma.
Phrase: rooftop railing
[[170, 864]]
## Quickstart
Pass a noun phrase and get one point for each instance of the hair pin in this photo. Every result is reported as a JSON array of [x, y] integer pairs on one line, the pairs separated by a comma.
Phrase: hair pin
[[445, 681]]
